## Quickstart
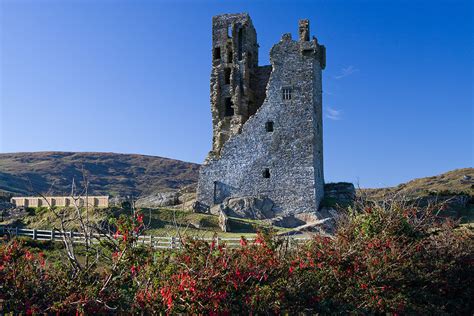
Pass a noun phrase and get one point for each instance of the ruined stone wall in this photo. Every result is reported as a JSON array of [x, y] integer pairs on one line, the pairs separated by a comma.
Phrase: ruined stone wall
[[259, 85], [283, 163], [236, 79]]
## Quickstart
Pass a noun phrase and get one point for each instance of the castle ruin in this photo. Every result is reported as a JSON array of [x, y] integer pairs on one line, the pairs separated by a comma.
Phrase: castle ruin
[[267, 120]]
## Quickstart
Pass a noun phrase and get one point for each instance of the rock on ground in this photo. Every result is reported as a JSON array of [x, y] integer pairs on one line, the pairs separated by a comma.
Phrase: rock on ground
[[252, 207], [159, 199]]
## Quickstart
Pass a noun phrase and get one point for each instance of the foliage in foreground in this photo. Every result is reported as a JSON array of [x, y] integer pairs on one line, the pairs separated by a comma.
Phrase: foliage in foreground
[[384, 258]]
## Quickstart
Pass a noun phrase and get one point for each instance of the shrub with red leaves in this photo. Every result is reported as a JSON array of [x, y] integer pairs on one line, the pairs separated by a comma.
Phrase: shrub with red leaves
[[384, 258]]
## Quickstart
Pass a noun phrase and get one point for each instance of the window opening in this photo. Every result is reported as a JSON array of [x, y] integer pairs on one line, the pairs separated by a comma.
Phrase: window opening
[[266, 173], [229, 110], [217, 53], [269, 126], [287, 93], [227, 75], [240, 44]]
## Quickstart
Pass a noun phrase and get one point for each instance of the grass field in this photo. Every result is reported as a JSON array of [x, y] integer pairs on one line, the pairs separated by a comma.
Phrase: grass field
[[159, 221]]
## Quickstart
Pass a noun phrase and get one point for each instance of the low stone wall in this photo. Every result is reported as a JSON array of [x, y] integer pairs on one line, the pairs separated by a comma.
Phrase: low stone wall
[[35, 201], [341, 193]]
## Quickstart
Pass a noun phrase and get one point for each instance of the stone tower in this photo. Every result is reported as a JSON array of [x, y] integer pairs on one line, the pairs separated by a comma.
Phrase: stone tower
[[267, 120], [236, 80]]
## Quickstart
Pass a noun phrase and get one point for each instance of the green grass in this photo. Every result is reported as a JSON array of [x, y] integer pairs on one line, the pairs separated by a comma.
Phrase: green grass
[[170, 222], [159, 222], [43, 218]]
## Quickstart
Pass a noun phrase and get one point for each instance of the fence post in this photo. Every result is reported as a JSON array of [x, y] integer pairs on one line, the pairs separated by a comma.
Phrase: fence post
[[172, 242], [34, 234], [52, 234], [151, 241], [16, 231]]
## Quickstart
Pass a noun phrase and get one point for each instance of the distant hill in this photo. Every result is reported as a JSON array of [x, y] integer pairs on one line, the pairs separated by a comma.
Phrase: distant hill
[[458, 181], [108, 173], [127, 174]]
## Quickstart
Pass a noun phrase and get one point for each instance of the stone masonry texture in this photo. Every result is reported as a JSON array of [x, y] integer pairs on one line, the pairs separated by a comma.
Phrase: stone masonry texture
[[267, 120], [38, 201]]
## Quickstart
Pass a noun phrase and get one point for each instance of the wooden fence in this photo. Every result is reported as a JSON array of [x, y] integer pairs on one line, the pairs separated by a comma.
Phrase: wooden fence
[[158, 242]]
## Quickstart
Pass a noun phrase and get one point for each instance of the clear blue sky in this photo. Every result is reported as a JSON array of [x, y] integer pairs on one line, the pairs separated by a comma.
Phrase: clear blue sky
[[133, 77]]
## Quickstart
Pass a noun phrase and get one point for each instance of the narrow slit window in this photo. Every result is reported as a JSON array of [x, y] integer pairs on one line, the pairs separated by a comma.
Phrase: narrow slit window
[[240, 44], [230, 56], [287, 93], [229, 109], [269, 126], [229, 31], [217, 53], [227, 75], [266, 173]]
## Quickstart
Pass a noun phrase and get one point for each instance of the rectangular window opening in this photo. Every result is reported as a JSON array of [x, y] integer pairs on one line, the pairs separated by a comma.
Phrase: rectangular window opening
[[269, 126], [307, 52], [217, 53], [286, 93], [229, 109], [229, 57], [266, 173], [227, 73]]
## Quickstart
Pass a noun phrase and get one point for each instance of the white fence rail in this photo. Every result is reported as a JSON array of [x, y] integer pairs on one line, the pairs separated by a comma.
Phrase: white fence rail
[[158, 242]]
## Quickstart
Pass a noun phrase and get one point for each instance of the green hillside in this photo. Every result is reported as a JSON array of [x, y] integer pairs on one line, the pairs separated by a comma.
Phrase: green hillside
[[455, 182], [108, 173]]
